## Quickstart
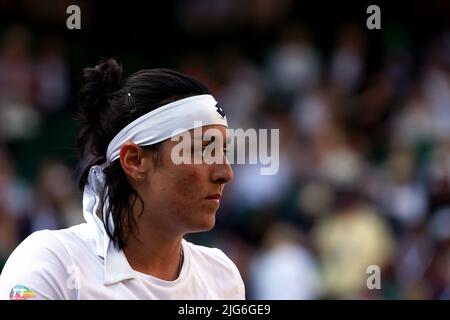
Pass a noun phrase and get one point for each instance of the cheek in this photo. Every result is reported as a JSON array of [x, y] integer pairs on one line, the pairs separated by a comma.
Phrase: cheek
[[187, 183]]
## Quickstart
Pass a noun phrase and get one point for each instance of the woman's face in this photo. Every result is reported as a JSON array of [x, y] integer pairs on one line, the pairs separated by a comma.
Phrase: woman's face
[[185, 197]]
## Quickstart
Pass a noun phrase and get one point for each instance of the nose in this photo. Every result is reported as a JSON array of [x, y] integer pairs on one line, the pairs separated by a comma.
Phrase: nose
[[222, 173]]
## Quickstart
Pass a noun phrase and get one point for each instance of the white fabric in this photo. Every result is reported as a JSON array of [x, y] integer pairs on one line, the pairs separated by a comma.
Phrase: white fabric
[[65, 264], [167, 121]]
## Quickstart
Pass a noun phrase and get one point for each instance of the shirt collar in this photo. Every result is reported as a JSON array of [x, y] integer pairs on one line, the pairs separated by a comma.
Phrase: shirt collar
[[116, 266]]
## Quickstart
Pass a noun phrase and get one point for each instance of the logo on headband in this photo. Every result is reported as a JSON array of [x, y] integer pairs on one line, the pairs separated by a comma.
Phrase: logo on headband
[[220, 111]]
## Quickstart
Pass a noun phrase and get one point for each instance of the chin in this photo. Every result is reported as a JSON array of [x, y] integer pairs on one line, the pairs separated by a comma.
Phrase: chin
[[207, 223], [203, 220]]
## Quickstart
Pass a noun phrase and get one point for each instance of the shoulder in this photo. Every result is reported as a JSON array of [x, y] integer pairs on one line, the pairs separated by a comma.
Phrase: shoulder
[[50, 245], [40, 265], [41, 244], [215, 262]]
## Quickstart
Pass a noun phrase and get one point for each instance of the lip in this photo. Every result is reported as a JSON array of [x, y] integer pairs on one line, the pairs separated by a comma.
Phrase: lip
[[215, 196]]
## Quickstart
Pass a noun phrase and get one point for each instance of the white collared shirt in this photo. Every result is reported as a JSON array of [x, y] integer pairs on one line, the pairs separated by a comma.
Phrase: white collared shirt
[[69, 264]]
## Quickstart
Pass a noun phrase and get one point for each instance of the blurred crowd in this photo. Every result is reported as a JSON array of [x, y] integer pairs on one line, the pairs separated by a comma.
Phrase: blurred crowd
[[364, 174]]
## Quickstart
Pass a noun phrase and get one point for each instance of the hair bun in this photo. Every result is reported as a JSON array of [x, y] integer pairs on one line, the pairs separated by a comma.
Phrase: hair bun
[[98, 84], [108, 74]]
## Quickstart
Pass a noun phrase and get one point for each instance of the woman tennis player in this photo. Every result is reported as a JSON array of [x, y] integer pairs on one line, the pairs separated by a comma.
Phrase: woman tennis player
[[137, 203]]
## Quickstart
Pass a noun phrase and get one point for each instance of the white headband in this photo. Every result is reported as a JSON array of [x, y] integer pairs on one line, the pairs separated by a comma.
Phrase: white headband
[[167, 121], [153, 127]]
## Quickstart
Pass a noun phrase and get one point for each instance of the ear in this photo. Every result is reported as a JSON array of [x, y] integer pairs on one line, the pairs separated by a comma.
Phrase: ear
[[132, 161]]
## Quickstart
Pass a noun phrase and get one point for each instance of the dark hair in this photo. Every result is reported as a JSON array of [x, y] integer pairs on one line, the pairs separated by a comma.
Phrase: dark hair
[[105, 108]]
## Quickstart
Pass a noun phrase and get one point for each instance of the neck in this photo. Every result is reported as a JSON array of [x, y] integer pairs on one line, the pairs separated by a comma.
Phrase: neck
[[154, 253]]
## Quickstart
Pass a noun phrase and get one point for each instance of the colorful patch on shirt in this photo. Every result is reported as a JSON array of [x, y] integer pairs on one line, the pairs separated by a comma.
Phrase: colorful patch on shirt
[[21, 292]]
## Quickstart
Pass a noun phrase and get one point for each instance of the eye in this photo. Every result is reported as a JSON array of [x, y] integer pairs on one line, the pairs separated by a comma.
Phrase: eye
[[203, 149]]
